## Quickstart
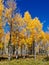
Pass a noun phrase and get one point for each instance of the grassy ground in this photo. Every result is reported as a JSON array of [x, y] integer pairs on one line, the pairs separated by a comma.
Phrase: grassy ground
[[27, 61]]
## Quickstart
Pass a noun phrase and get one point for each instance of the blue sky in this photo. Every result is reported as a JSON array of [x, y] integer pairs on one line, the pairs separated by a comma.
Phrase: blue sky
[[37, 8]]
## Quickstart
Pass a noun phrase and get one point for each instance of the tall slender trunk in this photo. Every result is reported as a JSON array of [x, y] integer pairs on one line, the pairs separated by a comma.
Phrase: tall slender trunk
[[34, 49], [23, 50], [10, 41], [16, 51]]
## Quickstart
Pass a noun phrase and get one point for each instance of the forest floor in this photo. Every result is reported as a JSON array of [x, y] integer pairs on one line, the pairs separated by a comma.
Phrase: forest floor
[[40, 60]]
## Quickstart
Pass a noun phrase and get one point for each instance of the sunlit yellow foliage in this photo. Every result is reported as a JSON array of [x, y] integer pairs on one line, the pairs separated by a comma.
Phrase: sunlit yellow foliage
[[22, 41], [19, 20], [47, 36], [37, 24], [8, 12], [1, 7], [29, 41], [7, 37], [1, 24], [42, 34], [33, 25], [24, 30], [1, 32], [1, 45], [0, 1], [27, 16], [13, 38], [1, 36]]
